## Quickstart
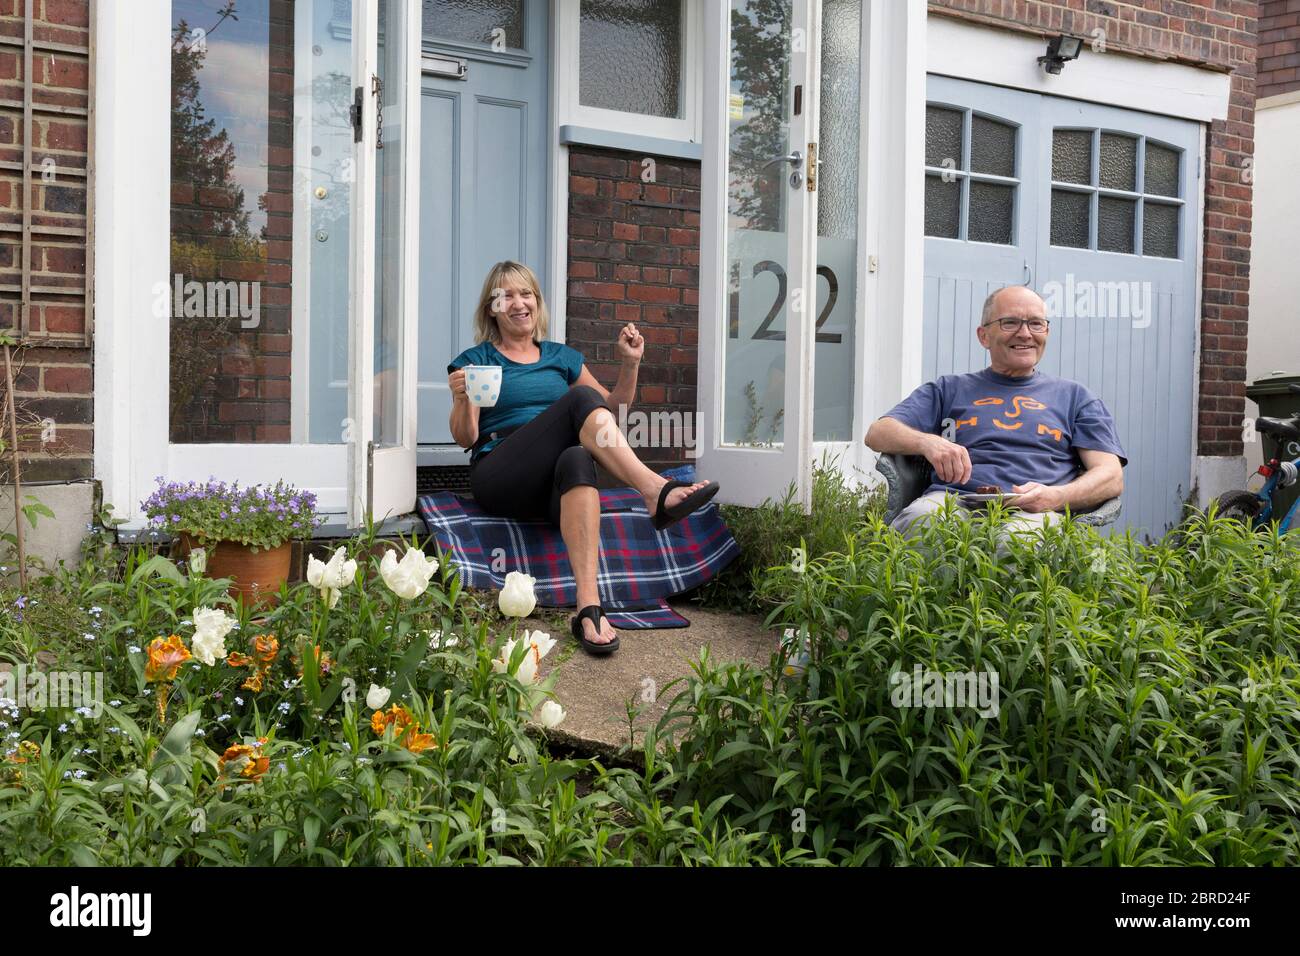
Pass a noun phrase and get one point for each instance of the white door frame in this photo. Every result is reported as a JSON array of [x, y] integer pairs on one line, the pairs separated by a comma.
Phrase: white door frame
[[382, 479], [131, 281], [750, 474], [891, 247]]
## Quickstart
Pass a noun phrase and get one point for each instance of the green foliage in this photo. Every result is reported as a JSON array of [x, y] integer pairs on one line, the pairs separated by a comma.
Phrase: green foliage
[[1148, 713], [769, 534], [1149, 706]]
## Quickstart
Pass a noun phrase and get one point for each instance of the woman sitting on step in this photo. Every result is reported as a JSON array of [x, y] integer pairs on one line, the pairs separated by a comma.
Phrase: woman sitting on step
[[533, 452]]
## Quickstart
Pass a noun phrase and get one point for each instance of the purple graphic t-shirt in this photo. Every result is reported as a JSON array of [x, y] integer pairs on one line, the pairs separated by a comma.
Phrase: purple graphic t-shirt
[[1014, 429]]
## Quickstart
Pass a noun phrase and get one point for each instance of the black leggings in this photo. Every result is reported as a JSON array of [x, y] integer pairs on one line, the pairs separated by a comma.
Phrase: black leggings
[[524, 474]]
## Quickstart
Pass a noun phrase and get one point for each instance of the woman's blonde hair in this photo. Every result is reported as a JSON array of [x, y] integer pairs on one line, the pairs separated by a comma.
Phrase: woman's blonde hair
[[485, 322]]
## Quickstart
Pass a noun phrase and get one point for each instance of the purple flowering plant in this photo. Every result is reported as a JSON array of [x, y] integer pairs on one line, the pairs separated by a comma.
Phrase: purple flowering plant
[[257, 516]]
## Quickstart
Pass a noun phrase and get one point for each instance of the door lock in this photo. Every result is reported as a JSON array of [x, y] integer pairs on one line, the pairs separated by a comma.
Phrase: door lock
[[795, 159]]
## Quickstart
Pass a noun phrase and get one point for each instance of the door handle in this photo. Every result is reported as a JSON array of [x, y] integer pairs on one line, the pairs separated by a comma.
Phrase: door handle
[[794, 159]]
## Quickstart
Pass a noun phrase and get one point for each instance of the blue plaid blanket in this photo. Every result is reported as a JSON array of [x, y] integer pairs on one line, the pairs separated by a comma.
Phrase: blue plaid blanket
[[639, 566]]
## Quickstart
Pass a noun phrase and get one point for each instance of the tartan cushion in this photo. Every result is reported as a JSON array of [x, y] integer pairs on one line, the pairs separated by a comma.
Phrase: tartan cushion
[[638, 566]]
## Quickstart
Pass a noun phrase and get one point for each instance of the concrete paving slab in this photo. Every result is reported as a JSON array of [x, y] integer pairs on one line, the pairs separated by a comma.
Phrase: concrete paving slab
[[595, 691]]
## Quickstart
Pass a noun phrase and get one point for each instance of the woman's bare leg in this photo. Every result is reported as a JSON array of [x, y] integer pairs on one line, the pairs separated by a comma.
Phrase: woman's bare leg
[[602, 437], [580, 527]]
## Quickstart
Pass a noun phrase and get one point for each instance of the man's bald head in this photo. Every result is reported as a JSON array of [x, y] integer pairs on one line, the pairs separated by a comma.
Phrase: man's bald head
[[1011, 296]]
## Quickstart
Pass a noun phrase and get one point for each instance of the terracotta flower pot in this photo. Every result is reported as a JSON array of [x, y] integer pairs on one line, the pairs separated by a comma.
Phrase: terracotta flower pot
[[255, 576]]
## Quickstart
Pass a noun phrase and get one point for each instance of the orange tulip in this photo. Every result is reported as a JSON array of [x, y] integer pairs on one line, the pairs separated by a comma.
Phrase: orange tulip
[[406, 728], [416, 742], [245, 761], [236, 659], [265, 647], [165, 658]]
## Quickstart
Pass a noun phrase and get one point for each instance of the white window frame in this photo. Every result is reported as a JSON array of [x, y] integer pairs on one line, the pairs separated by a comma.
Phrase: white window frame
[[570, 111]]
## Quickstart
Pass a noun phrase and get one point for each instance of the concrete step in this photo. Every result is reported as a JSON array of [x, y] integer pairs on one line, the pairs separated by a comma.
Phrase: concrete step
[[595, 691]]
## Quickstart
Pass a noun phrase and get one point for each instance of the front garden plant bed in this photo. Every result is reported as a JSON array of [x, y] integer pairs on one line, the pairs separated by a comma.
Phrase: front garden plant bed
[[1148, 712]]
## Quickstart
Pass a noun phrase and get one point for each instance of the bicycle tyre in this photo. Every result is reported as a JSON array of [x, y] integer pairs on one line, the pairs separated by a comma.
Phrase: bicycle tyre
[[1239, 505]]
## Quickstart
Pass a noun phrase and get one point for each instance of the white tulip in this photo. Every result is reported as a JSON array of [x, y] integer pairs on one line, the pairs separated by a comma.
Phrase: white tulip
[[198, 560], [539, 645], [377, 696], [550, 715], [437, 641], [540, 641], [331, 578], [408, 578], [517, 598], [211, 625]]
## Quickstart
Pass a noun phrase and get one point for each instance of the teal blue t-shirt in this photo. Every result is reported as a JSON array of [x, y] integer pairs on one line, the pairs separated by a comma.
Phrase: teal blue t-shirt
[[526, 390]]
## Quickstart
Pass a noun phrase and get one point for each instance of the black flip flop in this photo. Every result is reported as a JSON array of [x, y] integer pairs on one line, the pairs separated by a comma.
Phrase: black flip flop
[[666, 517], [595, 612]]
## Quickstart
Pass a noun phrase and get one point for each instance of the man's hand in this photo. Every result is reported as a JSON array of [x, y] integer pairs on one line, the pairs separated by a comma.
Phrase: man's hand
[[1036, 498], [951, 461]]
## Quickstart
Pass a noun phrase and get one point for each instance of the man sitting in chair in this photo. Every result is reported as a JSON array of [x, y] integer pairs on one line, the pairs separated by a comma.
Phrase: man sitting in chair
[[1009, 429]]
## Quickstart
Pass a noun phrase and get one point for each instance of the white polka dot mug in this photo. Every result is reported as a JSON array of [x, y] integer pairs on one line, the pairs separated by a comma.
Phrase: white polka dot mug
[[483, 384]]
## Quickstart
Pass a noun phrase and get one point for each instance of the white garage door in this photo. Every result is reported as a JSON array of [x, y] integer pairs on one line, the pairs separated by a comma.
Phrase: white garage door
[[1096, 208]]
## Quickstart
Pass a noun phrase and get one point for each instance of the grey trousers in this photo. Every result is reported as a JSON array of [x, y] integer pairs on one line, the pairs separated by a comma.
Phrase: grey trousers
[[906, 521]]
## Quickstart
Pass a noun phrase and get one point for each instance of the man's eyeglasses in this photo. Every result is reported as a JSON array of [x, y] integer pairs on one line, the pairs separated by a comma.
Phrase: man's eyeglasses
[[1012, 326]]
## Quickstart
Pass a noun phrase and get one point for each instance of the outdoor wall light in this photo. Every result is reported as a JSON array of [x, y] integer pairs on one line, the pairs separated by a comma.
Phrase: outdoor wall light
[[1059, 50]]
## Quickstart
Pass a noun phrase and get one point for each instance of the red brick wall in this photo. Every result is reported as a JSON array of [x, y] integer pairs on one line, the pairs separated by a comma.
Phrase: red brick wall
[[53, 378], [1219, 36], [1279, 47], [634, 256], [230, 383]]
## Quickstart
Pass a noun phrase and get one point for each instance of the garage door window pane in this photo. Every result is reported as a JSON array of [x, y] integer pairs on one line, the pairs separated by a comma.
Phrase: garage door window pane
[[992, 147], [1161, 170], [1118, 163], [631, 56], [1160, 230], [943, 137], [942, 207], [991, 208], [1115, 221], [1072, 156], [1070, 219], [474, 21]]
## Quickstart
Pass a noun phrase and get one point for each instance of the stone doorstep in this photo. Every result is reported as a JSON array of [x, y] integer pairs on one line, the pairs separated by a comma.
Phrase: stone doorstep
[[594, 691]]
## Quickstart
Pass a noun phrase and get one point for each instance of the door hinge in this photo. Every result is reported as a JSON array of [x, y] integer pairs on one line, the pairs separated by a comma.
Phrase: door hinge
[[355, 113], [812, 167]]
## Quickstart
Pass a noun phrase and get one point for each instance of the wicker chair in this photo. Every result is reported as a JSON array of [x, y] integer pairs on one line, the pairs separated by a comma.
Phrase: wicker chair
[[907, 476]]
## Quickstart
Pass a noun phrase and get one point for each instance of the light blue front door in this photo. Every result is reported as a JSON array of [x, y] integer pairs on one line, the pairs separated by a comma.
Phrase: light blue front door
[[484, 173], [1095, 208]]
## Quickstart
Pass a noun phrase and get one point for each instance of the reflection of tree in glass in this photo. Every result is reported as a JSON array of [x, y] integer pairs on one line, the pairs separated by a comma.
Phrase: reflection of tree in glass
[[760, 37], [755, 419], [331, 123], [210, 228]]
